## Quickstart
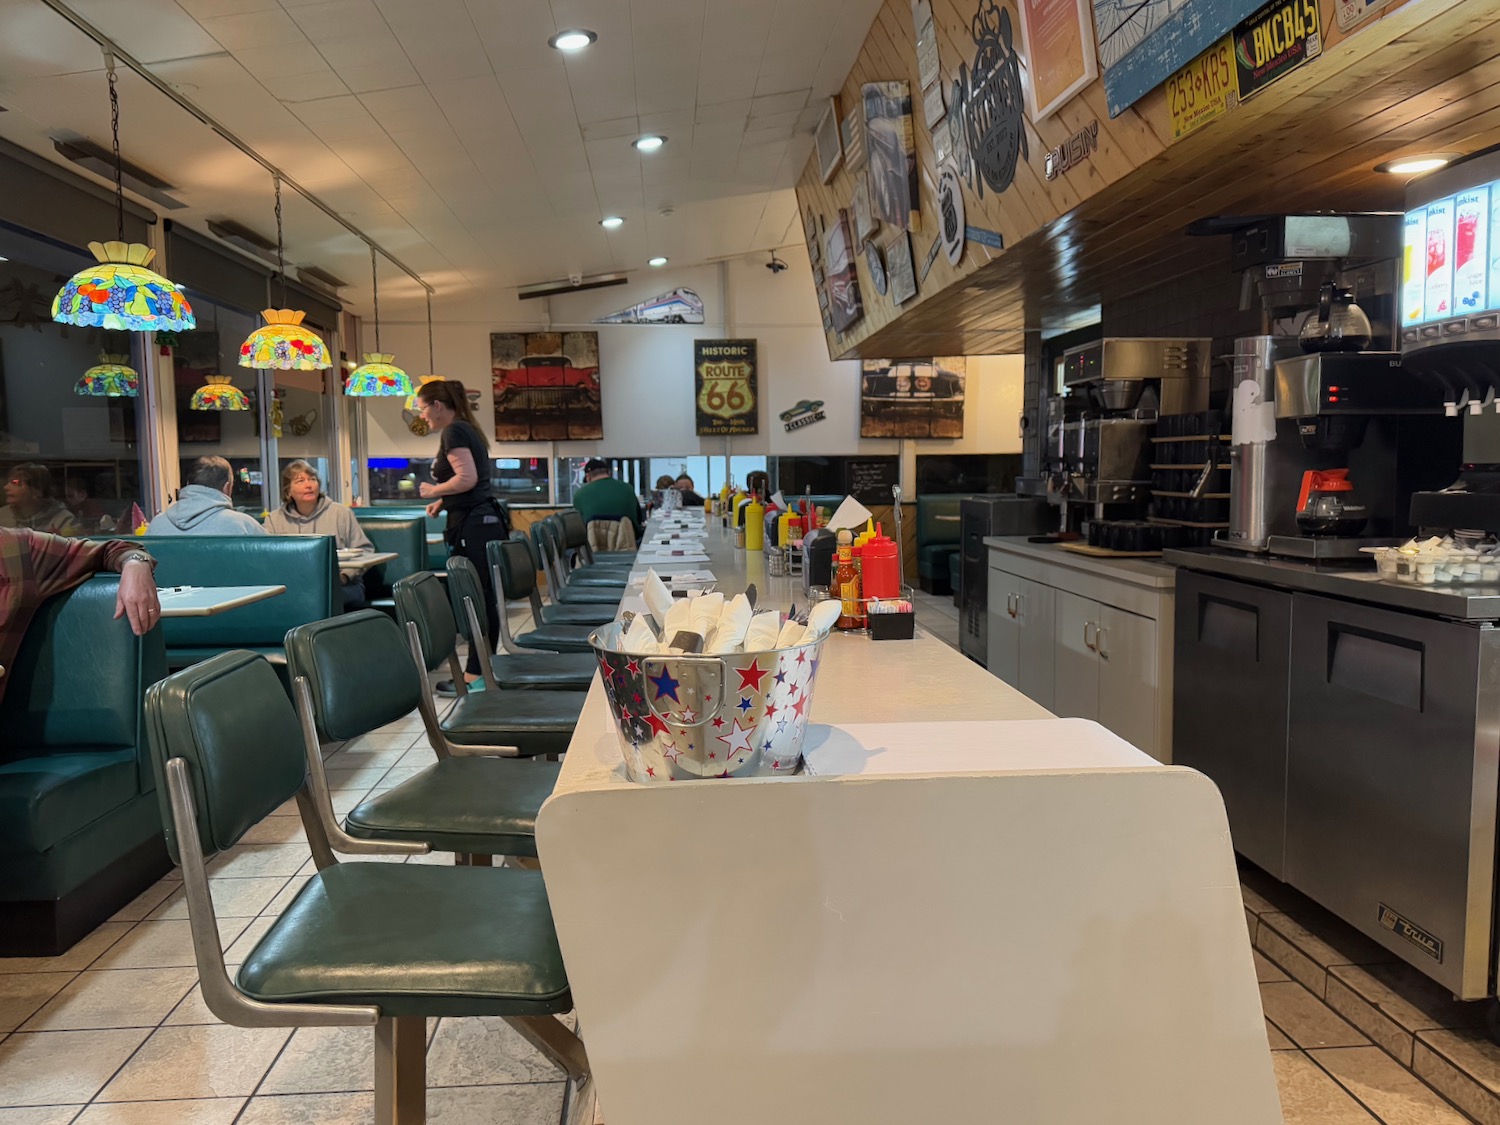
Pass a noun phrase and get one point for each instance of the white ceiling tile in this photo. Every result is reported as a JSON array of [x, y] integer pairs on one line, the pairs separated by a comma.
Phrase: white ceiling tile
[[774, 105], [673, 124], [438, 38], [729, 84], [252, 29], [320, 110], [290, 59], [620, 128], [207, 9]]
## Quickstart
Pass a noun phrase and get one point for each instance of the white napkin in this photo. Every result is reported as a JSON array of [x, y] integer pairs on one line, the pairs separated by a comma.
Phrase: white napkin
[[779, 500], [764, 629], [822, 617], [638, 639], [658, 598], [851, 513], [733, 622], [679, 617], [705, 616], [791, 634]]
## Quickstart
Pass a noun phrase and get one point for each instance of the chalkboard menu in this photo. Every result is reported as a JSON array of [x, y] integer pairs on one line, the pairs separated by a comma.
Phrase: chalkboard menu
[[870, 481]]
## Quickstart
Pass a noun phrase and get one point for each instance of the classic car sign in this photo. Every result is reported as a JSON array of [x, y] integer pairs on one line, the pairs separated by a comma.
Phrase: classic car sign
[[724, 377], [805, 413]]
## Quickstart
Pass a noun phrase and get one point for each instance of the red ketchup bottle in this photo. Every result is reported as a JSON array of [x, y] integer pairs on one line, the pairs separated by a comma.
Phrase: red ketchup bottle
[[881, 567]]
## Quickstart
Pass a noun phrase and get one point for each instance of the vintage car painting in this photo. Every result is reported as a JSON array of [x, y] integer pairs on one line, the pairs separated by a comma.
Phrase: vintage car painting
[[912, 398], [546, 386]]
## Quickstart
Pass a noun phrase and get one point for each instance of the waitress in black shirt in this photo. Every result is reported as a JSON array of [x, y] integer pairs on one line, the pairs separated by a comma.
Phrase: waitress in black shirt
[[462, 472]]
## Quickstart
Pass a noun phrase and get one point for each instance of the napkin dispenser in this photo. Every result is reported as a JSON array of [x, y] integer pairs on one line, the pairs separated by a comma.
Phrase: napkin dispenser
[[817, 558]]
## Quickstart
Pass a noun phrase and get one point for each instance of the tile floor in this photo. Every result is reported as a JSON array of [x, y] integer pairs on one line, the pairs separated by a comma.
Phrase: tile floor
[[115, 1032]]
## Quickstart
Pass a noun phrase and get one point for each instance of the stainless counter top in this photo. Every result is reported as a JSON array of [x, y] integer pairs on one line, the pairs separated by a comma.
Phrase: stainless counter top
[[1140, 572], [1461, 603]]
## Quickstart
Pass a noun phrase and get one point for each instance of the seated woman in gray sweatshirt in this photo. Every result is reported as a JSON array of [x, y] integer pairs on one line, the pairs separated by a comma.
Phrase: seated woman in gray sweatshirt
[[202, 506], [306, 511]]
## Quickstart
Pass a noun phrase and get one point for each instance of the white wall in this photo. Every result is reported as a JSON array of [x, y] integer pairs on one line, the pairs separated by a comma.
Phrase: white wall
[[646, 371]]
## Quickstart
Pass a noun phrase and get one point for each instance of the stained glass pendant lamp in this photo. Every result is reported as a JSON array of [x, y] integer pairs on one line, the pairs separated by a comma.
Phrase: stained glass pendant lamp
[[283, 343], [377, 375], [218, 393], [111, 377], [120, 291]]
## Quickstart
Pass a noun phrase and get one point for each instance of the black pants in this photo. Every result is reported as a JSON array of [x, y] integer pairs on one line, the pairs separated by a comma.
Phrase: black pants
[[469, 534]]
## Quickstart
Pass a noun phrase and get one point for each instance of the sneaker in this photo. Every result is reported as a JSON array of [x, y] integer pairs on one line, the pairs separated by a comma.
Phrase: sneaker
[[445, 687]]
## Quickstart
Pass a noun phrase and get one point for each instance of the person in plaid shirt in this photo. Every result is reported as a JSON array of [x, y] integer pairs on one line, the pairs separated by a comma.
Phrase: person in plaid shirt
[[35, 565]]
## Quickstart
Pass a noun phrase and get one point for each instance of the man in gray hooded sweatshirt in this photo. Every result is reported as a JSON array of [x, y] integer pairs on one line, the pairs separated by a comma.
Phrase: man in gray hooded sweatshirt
[[203, 506]]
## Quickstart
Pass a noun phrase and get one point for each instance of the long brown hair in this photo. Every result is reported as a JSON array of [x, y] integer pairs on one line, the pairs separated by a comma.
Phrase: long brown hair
[[455, 396]]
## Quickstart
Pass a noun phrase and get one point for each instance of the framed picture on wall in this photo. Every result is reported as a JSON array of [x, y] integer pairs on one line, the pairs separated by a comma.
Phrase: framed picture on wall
[[1057, 38], [546, 386], [852, 130], [899, 269], [912, 398], [892, 160], [864, 219], [826, 140], [843, 283]]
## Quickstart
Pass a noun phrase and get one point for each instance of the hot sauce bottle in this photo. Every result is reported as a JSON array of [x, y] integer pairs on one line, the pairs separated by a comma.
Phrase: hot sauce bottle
[[846, 584]]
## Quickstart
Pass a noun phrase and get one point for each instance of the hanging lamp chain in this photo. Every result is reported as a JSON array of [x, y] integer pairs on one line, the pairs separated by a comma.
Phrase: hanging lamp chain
[[375, 286], [431, 363], [280, 250], [114, 128]]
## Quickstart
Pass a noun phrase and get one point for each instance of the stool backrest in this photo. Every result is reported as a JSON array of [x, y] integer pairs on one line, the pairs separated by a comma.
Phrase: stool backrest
[[359, 672], [230, 719], [464, 582], [513, 558], [421, 599], [575, 533]]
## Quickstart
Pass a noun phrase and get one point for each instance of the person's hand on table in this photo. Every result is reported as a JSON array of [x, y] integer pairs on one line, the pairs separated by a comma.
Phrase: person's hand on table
[[136, 598]]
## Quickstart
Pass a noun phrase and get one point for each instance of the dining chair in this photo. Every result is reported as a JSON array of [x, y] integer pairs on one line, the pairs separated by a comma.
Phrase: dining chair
[[379, 945]]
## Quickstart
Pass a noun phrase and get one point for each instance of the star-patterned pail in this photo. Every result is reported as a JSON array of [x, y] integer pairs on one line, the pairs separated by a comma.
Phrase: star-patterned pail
[[690, 717]]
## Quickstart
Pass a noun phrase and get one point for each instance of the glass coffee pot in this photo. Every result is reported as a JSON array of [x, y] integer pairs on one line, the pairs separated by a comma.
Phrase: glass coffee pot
[[1339, 326], [1327, 504]]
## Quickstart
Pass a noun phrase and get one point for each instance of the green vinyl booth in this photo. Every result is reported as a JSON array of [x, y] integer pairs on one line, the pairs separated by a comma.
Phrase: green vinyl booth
[[437, 550], [938, 540], [307, 565], [80, 829], [400, 531]]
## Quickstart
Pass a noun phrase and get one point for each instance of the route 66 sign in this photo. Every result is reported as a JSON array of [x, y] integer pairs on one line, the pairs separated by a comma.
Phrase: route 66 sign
[[724, 381]]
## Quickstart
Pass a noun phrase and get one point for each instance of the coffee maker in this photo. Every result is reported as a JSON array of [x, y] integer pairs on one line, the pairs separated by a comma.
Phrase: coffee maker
[[1295, 411], [1098, 451]]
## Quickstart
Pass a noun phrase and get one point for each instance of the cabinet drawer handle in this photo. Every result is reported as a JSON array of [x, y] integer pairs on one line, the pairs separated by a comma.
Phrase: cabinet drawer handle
[[1020, 605], [1099, 635], [1087, 643], [1010, 603]]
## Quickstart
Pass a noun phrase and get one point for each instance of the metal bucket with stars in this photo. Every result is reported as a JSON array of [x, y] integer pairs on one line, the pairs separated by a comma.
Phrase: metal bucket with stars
[[689, 717]]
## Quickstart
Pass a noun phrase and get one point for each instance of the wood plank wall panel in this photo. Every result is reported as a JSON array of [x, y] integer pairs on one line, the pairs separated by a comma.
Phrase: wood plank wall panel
[[1426, 75]]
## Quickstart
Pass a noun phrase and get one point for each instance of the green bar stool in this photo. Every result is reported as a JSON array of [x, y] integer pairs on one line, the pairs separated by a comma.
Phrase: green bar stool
[[380, 945], [535, 669], [515, 580], [527, 723], [352, 675], [576, 538], [564, 594]]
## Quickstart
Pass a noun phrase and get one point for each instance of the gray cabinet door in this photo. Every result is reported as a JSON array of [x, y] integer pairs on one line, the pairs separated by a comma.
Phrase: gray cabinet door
[[1127, 676], [1231, 674], [1037, 626], [1391, 781], [1002, 644], [1075, 687]]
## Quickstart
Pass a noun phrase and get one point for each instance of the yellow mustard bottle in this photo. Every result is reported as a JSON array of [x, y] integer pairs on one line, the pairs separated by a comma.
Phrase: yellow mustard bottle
[[755, 524]]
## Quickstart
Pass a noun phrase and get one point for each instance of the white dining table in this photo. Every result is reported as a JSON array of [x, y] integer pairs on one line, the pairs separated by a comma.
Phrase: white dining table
[[366, 560], [206, 601]]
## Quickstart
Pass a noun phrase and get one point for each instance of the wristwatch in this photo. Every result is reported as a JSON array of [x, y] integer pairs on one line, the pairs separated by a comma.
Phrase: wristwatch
[[138, 556]]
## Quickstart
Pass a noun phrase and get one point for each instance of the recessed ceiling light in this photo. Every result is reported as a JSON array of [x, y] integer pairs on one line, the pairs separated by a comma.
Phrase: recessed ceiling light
[[574, 39], [650, 143], [657, 261], [610, 222], [1418, 163]]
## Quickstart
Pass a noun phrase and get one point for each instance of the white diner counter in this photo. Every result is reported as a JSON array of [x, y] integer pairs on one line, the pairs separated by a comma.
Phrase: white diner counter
[[973, 911]]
